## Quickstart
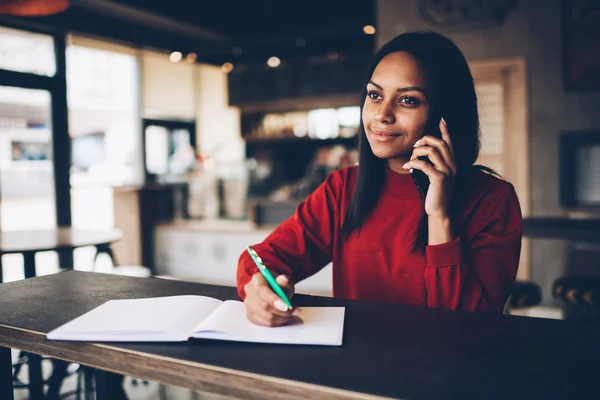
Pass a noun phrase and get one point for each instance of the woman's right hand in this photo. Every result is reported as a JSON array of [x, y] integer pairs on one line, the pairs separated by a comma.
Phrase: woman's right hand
[[263, 306]]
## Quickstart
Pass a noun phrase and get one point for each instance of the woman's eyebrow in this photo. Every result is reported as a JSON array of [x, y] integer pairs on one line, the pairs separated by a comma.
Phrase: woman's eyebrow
[[402, 89]]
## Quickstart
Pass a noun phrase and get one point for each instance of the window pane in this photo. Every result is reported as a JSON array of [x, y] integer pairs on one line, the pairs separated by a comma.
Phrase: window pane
[[24, 51], [104, 126], [102, 92], [157, 150], [26, 173]]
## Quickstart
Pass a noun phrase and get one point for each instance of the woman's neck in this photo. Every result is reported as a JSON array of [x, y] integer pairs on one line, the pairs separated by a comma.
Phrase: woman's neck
[[395, 164]]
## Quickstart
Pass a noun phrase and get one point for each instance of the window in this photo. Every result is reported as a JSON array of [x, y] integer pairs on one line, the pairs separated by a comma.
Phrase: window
[[502, 92], [23, 51]]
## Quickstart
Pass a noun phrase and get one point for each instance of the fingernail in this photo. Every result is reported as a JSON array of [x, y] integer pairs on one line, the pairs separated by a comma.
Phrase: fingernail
[[405, 166], [280, 305], [444, 121], [297, 311], [417, 143], [282, 279], [411, 171]]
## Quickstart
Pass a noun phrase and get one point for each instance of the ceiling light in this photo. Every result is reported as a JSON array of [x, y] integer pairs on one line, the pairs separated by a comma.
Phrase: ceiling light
[[175, 56], [33, 8], [227, 67], [191, 58], [369, 29], [273, 62]]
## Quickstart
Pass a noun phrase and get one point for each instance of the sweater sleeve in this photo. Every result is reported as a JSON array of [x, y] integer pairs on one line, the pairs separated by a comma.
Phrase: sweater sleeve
[[476, 270], [301, 245]]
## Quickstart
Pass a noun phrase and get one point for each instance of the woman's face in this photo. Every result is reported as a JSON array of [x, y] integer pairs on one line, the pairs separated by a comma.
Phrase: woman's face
[[396, 108]]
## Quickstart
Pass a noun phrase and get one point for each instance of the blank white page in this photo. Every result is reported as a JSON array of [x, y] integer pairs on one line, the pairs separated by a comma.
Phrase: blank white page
[[317, 326], [153, 319]]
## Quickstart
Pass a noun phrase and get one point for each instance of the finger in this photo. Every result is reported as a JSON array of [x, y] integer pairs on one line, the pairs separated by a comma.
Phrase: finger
[[260, 296], [257, 280], [271, 302], [424, 166], [272, 320], [441, 146], [286, 284], [434, 156], [446, 136], [264, 312], [267, 320], [284, 281]]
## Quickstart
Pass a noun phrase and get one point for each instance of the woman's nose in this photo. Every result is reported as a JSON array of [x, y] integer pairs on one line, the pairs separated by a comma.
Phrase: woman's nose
[[384, 115]]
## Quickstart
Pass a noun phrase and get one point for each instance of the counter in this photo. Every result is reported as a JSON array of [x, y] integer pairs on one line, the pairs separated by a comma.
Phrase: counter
[[208, 251]]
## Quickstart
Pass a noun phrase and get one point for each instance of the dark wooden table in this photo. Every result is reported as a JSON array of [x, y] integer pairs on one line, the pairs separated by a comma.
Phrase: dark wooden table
[[29, 243], [392, 351]]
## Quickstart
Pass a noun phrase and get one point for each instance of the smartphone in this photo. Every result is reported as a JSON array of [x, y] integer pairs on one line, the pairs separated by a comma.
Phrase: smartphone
[[420, 179]]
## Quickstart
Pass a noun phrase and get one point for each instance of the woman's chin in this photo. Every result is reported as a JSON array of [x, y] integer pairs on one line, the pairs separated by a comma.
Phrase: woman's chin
[[386, 153]]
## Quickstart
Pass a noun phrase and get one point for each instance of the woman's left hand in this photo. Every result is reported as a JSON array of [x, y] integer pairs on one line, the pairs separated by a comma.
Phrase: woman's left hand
[[441, 171]]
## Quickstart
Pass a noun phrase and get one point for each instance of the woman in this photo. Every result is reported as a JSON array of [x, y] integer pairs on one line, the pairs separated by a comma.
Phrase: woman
[[457, 246]]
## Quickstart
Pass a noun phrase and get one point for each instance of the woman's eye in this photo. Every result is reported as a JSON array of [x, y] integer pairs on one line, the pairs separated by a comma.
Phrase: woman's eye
[[411, 101], [373, 95]]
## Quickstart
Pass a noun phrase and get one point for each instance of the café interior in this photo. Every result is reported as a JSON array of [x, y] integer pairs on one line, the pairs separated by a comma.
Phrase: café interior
[[160, 138]]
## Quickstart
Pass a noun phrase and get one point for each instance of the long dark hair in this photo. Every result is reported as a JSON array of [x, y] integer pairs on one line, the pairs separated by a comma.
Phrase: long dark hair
[[451, 94]]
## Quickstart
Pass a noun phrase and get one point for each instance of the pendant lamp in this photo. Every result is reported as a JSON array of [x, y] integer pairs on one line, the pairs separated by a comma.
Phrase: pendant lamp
[[33, 8]]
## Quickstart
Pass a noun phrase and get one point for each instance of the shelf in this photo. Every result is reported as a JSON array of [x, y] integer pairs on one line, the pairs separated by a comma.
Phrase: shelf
[[293, 140]]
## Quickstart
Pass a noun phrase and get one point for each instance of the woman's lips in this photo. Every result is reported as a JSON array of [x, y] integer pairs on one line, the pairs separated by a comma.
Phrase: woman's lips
[[383, 136]]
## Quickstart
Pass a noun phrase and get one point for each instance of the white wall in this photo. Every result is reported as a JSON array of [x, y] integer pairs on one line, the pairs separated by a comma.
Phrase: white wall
[[217, 124], [167, 88], [531, 30]]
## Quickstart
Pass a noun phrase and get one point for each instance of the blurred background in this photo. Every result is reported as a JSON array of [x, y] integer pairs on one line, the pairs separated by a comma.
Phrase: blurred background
[[196, 127]]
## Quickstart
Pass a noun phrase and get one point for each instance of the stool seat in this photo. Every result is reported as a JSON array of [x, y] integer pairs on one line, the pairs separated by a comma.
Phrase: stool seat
[[132, 270]]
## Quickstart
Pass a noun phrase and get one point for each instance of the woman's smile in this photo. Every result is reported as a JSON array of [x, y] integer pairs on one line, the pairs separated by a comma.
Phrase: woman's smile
[[381, 135]]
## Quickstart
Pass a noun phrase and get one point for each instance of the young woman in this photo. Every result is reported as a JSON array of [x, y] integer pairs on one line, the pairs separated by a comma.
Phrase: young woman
[[456, 246]]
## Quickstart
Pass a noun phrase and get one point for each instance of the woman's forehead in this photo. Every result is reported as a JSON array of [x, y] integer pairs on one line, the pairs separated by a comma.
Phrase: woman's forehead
[[399, 69]]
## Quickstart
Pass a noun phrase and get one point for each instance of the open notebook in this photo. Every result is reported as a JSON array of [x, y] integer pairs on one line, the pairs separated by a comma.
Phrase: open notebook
[[179, 318]]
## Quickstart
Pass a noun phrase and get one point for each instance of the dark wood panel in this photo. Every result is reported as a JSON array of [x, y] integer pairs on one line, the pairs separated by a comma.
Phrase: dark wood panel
[[298, 79], [562, 228], [389, 350]]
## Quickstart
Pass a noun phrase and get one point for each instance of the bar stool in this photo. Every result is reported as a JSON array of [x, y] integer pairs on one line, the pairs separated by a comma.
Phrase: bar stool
[[126, 270], [522, 295], [579, 295]]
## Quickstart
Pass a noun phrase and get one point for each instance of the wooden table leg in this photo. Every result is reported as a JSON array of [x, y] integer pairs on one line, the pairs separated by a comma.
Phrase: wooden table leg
[[101, 385], [29, 264], [36, 385], [88, 385], [6, 383], [109, 386], [59, 373]]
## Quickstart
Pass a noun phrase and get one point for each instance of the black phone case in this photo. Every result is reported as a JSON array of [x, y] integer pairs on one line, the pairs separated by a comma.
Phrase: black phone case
[[420, 179]]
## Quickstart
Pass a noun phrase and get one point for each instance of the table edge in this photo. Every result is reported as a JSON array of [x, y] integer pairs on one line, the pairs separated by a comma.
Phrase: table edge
[[188, 374]]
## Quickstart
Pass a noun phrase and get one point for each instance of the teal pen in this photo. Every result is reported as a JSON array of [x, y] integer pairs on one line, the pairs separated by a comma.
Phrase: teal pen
[[268, 276]]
